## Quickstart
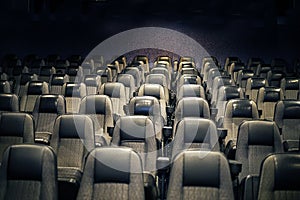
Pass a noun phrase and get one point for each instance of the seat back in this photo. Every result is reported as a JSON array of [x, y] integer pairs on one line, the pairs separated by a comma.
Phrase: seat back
[[108, 178], [28, 166], [73, 93], [5, 87], [137, 132], [198, 174], [191, 90], [57, 82], [256, 140], [253, 85], [128, 81], [93, 83], [279, 177], [9, 103], [290, 87]]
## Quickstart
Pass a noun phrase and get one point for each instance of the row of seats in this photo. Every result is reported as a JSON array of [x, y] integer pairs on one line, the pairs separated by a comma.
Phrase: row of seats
[[164, 117]]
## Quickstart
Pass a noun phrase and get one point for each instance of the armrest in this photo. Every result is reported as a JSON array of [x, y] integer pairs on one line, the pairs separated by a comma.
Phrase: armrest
[[222, 132], [149, 186], [167, 132], [43, 137], [126, 109], [170, 110], [213, 112], [291, 145], [249, 187], [235, 167], [162, 164]]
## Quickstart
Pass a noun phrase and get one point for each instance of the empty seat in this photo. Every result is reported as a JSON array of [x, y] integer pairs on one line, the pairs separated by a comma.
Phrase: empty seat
[[72, 140], [262, 70], [145, 61], [93, 83], [191, 107], [212, 74], [116, 92], [279, 177], [46, 72], [190, 90], [9, 103], [226, 93], [75, 73], [128, 81], [135, 73], [47, 108], [21, 81], [57, 82], [5, 87], [164, 71], [32, 90], [229, 61], [200, 175], [16, 128], [148, 106], [274, 78], [234, 69], [28, 172], [158, 79], [105, 74], [256, 140], [290, 87], [242, 78], [88, 66], [195, 133], [187, 79], [99, 109], [236, 111], [252, 86], [73, 93], [106, 178], [288, 120], [266, 101], [218, 82], [137, 132]]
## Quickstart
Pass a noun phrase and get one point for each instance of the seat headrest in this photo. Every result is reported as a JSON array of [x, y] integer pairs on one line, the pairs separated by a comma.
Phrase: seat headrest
[[257, 83], [25, 78], [15, 124], [272, 94], [113, 90], [247, 74], [191, 90], [96, 104], [242, 108], [4, 87], [73, 90], [143, 107], [52, 104], [277, 75], [193, 107], [156, 79], [238, 67], [287, 171], [292, 84], [125, 79], [291, 109], [9, 102], [91, 80], [231, 92], [26, 162], [72, 70], [190, 79], [134, 127], [207, 167], [108, 170], [198, 130], [36, 88], [46, 71], [73, 126], [153, 90], [58, 79], [260, 132]]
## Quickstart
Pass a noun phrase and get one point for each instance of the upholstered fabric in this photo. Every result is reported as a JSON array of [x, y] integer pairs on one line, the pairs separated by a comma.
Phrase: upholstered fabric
[[57, 82], [200, 175], [107, 178], [73, 93], [92, 82], [252, 86], [256, 140], [190, 90], [9, 103], [28, 172], [195, 133], [138, 133]]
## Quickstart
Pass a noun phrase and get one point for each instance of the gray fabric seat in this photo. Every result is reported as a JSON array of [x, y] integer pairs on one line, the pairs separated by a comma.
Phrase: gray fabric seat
[[5, 87], [158, 79], [242, 78], [164, 71], [9, 103], [279, 177], [73, 93], [191, 90], [28, 172], [218, 82], [128, 81], [253, 85], [47, 108], [72, 140], [46, 72], [116, 92], [106, 178], [32, 91], [200, 175], [191, 107], [57, 82], [137, 132], [237, 111], [99, 109], [266, 100], [93, 83], [290, 87], [288, 120], [21, 81], [105, 74], [148, 106], [256, 140], [187, 79], [16, 128], [135, 73], [195, 133]]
